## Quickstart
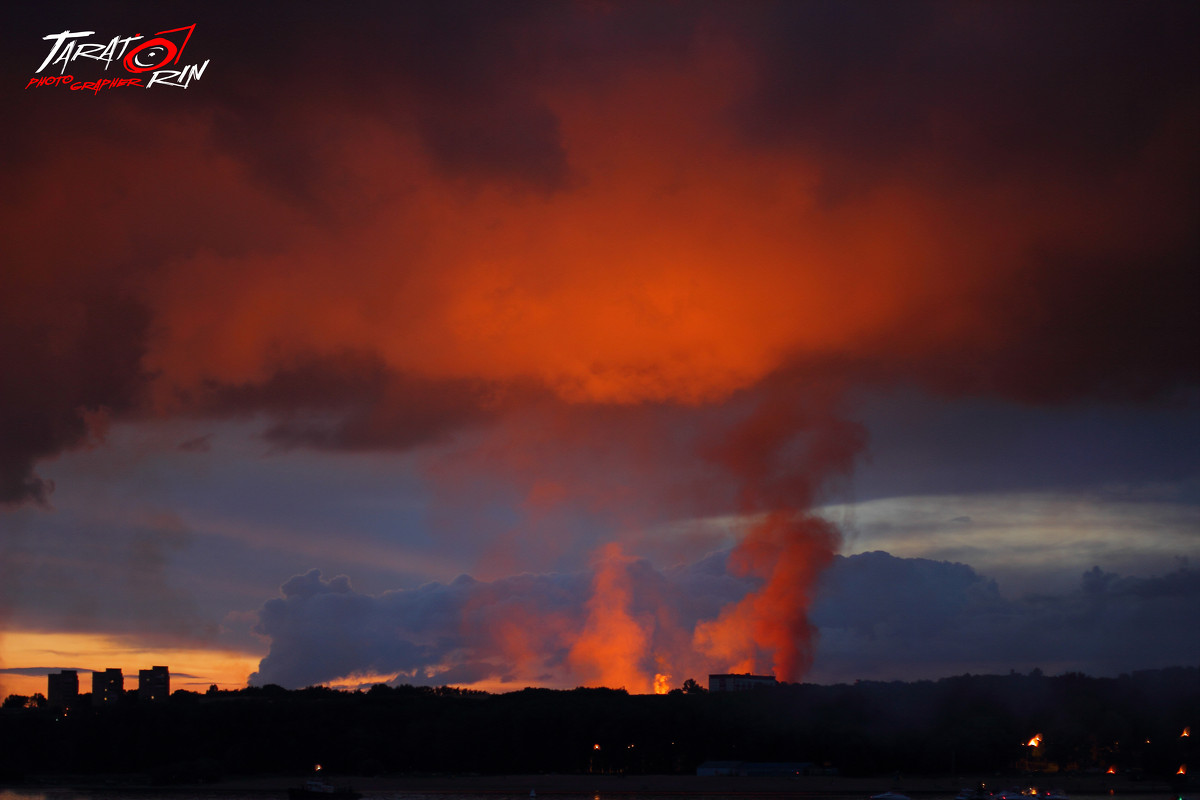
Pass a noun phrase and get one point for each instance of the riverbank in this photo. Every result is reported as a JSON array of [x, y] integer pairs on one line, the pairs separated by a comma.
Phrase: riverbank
[[614, 785]]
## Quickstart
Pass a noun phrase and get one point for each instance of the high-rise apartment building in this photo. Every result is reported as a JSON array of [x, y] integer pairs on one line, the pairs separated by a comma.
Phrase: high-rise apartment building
[[154, 684], [62, 688], [107, 687]]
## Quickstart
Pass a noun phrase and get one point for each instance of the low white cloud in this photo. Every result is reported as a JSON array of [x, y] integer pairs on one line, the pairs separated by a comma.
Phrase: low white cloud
[[1029, 542]]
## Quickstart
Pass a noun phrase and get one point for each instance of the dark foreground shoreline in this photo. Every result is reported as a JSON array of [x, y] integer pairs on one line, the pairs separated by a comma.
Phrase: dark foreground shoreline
[[612, 785]]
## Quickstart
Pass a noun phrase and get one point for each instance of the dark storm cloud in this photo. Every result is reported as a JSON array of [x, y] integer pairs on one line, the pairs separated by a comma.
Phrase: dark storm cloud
[[69, 347], [462, 76], [64, 372], [1025, 98], [354, 402], [888, 618], [984, 88], [1102, 327], [1091, 110]]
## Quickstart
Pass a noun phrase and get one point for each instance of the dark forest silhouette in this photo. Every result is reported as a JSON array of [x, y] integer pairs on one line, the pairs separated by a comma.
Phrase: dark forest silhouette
[[956, 726]]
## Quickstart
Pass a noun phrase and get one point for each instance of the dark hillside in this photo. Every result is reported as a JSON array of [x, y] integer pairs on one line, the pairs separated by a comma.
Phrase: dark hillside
[[961, 725]]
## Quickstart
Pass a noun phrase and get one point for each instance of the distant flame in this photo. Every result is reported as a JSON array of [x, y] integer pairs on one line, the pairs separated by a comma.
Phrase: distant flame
[[1111, 771], [1186, 732], [662, 683], [1182, 769], [1035, 741]]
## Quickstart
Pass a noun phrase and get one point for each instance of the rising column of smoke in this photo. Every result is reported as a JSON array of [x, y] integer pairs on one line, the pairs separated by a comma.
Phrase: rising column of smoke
[[610, 649], [774, 448], [781, 456]]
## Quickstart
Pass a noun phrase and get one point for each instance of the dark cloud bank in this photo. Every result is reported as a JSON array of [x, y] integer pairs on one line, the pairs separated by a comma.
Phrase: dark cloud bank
[[879, 617], [961, 101]]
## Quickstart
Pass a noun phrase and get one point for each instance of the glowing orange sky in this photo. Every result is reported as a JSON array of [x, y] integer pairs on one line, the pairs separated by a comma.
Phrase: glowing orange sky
[[194, 669], [679, 266]]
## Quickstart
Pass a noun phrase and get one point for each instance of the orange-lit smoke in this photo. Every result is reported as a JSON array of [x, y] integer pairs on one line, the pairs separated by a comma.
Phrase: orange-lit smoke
[[781, 456], [769, 627], [611, 648], [511, 628], [770, 454]]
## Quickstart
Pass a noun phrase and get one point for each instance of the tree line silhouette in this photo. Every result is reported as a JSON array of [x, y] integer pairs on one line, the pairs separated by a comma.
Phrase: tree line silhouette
[[966, 725]]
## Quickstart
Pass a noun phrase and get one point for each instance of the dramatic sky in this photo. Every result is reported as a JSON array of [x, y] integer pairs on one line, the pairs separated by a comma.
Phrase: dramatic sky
[[601, 343]]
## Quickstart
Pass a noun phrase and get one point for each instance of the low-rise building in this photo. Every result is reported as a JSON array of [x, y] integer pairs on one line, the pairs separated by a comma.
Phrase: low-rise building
[[740, 682]]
